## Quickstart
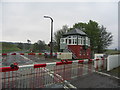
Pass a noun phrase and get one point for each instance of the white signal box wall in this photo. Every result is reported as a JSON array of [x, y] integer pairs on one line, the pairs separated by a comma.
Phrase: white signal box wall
[[58, 55], [64, 55]]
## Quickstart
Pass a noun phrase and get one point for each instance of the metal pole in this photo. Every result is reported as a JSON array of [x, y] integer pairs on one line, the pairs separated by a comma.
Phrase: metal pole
[[51, 43]]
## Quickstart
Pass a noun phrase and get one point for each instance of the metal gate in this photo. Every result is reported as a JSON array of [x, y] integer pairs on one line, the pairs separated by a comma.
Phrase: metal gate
[[45, 75]]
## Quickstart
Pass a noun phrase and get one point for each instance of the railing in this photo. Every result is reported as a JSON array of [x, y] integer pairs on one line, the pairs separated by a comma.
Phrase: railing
[[48, 74], [74, 56]]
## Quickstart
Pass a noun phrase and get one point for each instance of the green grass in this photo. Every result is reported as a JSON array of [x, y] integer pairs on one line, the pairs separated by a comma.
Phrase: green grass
[[7, 51], [33, 52], [115, 72], [111, 51], [8, 47]]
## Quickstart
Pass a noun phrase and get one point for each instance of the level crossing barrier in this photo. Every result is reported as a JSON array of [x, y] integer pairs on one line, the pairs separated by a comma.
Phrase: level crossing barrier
[[8, 58], [45, 75], [4, 54]]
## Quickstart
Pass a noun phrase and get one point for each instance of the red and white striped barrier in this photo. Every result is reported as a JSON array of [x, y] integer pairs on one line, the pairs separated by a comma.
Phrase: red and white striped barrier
[[3, 54], [6, 69], [44, 75]]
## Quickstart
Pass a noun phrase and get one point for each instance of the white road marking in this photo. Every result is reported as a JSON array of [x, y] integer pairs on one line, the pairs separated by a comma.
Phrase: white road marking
[[25, 57], [107, 75], [67, 84], [60, 77], [103, 73]]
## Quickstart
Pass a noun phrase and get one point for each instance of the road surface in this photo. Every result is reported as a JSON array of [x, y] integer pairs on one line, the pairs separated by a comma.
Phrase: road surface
[[30, 78]]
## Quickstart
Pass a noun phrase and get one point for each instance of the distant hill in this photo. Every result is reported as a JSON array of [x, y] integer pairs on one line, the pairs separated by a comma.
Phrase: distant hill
[[8, 47]]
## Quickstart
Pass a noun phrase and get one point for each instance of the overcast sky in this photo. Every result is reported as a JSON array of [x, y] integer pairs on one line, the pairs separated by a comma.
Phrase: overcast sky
[[24, 20]]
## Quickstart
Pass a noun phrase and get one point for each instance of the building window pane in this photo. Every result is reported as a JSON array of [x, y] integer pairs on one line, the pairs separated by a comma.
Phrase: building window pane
[[73, 41], [69, 41], [66, 41], [81, 41], [84, 42], [78, 41]]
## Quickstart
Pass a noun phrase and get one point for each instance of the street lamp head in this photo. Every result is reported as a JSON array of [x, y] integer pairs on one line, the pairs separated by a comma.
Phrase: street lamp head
[[46, 17]]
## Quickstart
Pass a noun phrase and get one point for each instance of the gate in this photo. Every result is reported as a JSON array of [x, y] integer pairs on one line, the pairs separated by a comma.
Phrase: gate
[[48, 74], [21, 58]]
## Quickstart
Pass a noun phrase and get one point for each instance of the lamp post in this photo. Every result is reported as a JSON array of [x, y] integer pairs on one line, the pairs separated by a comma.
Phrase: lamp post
[[51, 43]]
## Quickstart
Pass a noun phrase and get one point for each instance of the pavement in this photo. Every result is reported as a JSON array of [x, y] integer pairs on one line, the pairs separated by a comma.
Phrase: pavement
[[95, 80], [114, 72]]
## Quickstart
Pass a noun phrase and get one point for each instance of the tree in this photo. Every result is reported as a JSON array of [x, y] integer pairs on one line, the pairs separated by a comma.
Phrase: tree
[[28, 41], [39, 46], [35, 47], [20, 46], [105, 39], [54, 45], [99, 37], [58, 34], [28, 46]]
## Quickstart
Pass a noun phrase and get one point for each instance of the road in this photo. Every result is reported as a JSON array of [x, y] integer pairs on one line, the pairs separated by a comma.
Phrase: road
[[24, 59], [26, 75], [95, 80], [47, 77]]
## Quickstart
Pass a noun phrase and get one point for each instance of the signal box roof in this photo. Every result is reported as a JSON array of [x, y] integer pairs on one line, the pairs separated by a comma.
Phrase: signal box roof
[[75, 32]]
